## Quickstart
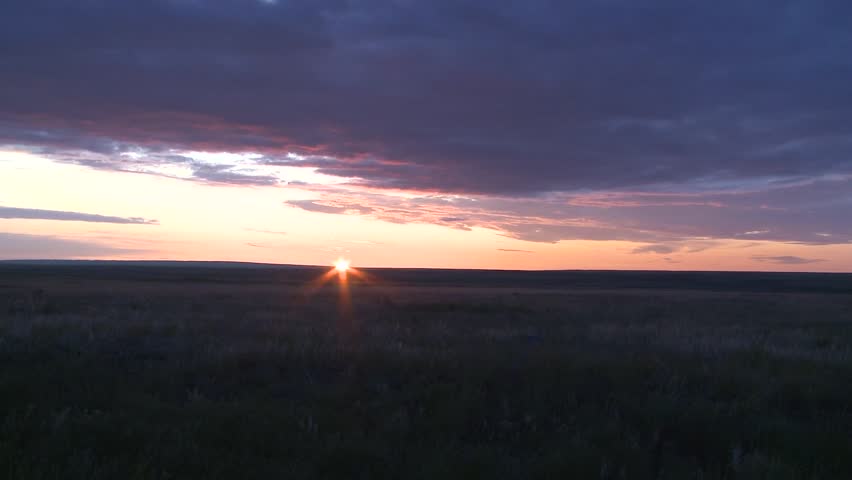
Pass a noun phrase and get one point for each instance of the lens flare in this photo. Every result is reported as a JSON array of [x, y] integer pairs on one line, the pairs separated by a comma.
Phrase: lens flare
[[348, 325]]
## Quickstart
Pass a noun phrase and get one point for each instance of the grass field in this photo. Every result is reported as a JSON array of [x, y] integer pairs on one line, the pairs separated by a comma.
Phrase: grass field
[[137, 371]]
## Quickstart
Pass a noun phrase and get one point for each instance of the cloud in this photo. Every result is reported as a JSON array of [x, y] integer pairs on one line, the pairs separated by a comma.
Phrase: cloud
[[313, 206], [38, 214], [518, 111], [513, 250], [695, 246], [786, 260], [34, 247], [222, 169], [224, 175], [661, 249], [807, 212], [486, 97]]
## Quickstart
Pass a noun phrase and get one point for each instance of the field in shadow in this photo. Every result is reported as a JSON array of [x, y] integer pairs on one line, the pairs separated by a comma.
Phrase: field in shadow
[[217, 372]]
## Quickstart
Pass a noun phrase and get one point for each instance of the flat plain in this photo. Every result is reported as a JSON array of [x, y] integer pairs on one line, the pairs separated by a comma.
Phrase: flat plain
[[173, 371]]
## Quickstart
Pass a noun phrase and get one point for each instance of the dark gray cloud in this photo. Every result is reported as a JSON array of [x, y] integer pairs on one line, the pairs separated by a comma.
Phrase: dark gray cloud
[[38, 214], [33, 247], [665, 122], [786, 260], [469, 96]]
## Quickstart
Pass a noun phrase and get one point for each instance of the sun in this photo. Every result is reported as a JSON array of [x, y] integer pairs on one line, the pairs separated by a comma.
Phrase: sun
[[341, 265]]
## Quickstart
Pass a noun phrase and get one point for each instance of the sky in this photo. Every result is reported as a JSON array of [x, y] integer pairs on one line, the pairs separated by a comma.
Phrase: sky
[[590, 134]]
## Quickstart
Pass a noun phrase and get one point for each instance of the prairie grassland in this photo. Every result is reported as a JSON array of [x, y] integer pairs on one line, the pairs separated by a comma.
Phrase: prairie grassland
[[122, 374]]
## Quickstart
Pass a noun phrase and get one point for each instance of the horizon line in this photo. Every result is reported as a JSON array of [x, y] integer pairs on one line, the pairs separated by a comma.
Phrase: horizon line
[[248, 264]]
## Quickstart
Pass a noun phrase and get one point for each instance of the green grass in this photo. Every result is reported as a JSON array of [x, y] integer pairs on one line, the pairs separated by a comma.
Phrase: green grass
[[105, 379]]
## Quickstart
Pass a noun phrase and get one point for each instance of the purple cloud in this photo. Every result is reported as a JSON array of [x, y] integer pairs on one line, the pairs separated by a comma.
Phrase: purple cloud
[[475, 97], [549, 120], [38, 214]]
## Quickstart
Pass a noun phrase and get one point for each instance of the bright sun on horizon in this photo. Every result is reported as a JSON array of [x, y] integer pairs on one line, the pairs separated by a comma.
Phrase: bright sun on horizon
[[341, 265]]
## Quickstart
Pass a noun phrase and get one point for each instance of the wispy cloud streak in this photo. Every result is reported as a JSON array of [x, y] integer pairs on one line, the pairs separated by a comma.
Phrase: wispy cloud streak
[[786, 260], [38, 214]]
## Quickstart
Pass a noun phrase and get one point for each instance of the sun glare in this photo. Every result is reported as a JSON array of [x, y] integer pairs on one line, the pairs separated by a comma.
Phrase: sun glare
[[341, 265]]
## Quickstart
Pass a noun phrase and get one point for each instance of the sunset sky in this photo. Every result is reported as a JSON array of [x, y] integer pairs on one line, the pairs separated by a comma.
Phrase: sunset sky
[[589, 134]]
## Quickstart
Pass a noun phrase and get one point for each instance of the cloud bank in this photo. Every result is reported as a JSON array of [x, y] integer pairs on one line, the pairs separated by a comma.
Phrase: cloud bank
[[655, 122]]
